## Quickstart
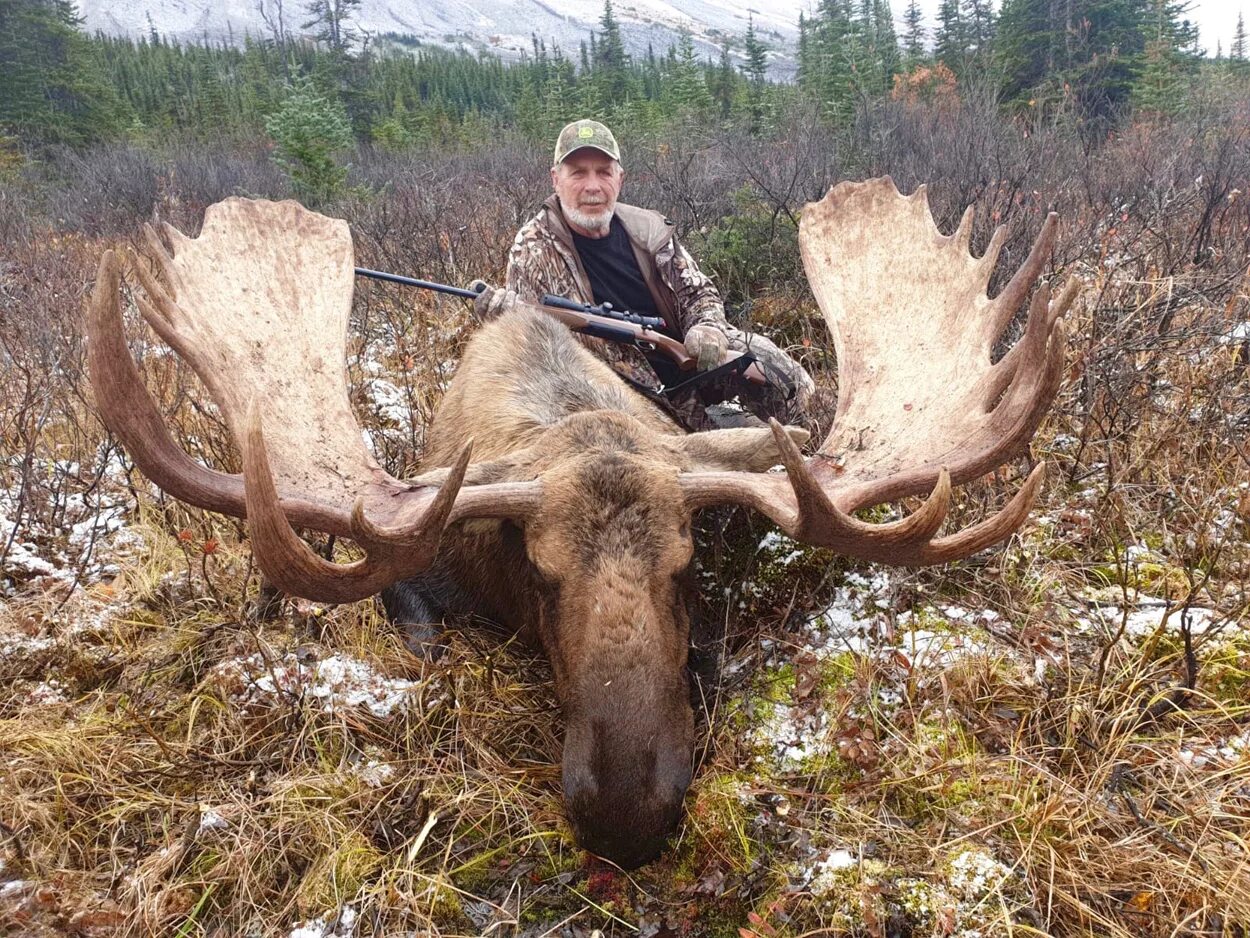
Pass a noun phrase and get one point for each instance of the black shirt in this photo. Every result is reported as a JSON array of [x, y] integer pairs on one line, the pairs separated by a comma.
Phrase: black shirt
[[616, 278], [613, 271]]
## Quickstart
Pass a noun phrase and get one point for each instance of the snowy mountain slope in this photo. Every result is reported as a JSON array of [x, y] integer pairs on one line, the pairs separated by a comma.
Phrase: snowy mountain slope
[[504, 27]]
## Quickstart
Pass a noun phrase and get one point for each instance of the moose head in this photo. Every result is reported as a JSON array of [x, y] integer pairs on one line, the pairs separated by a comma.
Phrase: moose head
[[573, 523]]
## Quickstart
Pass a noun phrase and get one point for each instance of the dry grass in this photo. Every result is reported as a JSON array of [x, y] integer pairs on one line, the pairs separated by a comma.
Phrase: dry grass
[[1026, 743]]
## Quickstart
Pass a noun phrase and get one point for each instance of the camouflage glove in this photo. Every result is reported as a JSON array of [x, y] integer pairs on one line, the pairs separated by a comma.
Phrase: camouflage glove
[[491, 301], [782, 369], [708, 344]]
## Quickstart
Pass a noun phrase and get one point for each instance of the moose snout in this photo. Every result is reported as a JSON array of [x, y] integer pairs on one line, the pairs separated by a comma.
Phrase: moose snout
[[624, 801]]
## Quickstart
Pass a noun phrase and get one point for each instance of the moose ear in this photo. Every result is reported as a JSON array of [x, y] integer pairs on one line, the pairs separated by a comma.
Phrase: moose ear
[[742, 449]]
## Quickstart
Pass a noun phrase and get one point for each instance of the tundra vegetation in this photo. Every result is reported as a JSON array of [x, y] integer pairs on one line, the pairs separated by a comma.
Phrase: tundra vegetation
[[1048, 738]]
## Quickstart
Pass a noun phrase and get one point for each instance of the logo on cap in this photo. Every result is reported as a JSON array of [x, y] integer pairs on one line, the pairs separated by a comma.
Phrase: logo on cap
[[586, 133]]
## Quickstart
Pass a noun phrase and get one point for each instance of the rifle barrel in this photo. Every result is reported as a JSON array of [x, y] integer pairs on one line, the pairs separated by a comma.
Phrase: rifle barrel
[[414, 282]]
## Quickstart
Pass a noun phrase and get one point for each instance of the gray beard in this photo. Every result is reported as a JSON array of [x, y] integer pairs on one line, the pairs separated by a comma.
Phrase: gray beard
[[599, 223]]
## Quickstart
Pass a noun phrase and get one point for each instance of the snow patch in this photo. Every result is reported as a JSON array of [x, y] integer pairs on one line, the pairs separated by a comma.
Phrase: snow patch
[[341, 924], [334, 684]]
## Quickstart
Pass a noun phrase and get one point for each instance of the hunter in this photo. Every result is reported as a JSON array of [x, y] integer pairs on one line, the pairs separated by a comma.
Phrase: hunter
[[586, 246]]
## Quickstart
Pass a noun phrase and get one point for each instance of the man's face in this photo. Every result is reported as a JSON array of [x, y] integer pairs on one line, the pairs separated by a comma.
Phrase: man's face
[[588, 183]]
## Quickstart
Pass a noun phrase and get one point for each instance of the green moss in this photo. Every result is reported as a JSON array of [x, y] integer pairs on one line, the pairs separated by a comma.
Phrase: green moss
[[828, 773], [1225, 673], [769, 687], [340, 872], [446, 908], [717, 828], [920, 902], [1146, 576], [840, 896], [837, 673]]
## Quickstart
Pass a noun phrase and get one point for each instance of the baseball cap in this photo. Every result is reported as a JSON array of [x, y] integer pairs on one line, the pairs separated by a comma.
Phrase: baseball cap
[[586, 133]]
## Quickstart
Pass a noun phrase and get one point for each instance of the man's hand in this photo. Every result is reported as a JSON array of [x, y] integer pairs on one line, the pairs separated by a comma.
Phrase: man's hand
[[491, 301], [707, 344]]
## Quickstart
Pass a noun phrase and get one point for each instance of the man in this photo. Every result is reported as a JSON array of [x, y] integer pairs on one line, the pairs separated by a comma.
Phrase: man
[[586, 246]]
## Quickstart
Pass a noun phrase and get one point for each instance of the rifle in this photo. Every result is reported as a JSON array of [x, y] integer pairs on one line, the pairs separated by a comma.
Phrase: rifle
[[604, 322]]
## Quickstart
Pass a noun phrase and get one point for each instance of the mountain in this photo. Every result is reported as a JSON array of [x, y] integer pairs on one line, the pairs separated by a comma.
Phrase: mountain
[[501, 27]]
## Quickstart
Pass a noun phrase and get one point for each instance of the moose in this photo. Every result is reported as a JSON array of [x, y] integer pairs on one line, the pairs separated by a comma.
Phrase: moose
[[555, 500]]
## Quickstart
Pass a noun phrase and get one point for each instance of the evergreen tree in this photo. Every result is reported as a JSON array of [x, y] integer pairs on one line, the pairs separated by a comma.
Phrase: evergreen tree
[[1169, 59], [723, 82], [756, 70], [329, 21], [687, 86], [913, 34], [978, 19], [950, 42], [611, 64], [756, 55], [884, 42], [1087, 57], [803, 76], [1237, 51], [833, 54], [310, 131], [52, 88]]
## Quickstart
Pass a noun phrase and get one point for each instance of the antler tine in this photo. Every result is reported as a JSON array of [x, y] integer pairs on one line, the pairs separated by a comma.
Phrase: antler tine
[[287, 561], [162, 255], [421, 534], [963, 234], [988, 260], [817, 520], [1008, 301], [978, 537], [1032, 370], [129, 411]]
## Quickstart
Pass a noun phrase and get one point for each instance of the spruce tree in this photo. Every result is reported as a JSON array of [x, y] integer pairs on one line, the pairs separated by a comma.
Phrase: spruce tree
[[833, 57], [688, 88], [611, 64], [884, 42], [310, 130], [1237, 51], [756, 54], [52, 87], [724, 82], [1168, 61], [950, 42], [978, 19], [913, 35], [329, 21], [756, 70]]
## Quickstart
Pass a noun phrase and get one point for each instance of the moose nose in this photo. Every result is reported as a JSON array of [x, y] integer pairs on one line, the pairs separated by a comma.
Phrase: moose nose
[[627, 851], [626, 820]]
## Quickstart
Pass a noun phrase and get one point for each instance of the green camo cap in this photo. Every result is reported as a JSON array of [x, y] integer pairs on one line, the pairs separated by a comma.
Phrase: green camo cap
[[586, 133]]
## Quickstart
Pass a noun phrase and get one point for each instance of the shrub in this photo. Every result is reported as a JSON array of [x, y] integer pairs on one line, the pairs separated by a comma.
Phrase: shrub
[[310, 131]]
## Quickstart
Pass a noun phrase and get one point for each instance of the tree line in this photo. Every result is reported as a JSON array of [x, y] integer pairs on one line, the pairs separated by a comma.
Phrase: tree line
[[314, 73]]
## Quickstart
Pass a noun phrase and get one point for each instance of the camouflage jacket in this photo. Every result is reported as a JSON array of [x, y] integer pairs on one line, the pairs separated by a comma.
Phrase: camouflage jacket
[[543, 260]]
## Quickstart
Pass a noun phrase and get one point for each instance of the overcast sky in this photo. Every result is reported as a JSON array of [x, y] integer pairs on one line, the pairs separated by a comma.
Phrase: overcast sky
[[1216, 19]]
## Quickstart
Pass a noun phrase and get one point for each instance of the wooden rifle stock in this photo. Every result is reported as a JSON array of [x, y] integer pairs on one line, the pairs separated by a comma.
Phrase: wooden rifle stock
[[614, 330]]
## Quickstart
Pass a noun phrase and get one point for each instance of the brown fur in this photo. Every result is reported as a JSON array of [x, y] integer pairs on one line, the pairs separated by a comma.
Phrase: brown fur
[[597, 576]]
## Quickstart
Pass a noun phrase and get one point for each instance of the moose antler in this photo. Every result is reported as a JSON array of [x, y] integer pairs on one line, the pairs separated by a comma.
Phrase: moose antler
[[258, 305], [921, 405]]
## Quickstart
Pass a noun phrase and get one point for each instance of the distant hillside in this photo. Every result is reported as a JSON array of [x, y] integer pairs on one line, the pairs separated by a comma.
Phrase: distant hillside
[[502, 27]]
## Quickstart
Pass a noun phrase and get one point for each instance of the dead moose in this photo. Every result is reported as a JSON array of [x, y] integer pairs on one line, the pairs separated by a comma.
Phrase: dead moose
[[573, 525]]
